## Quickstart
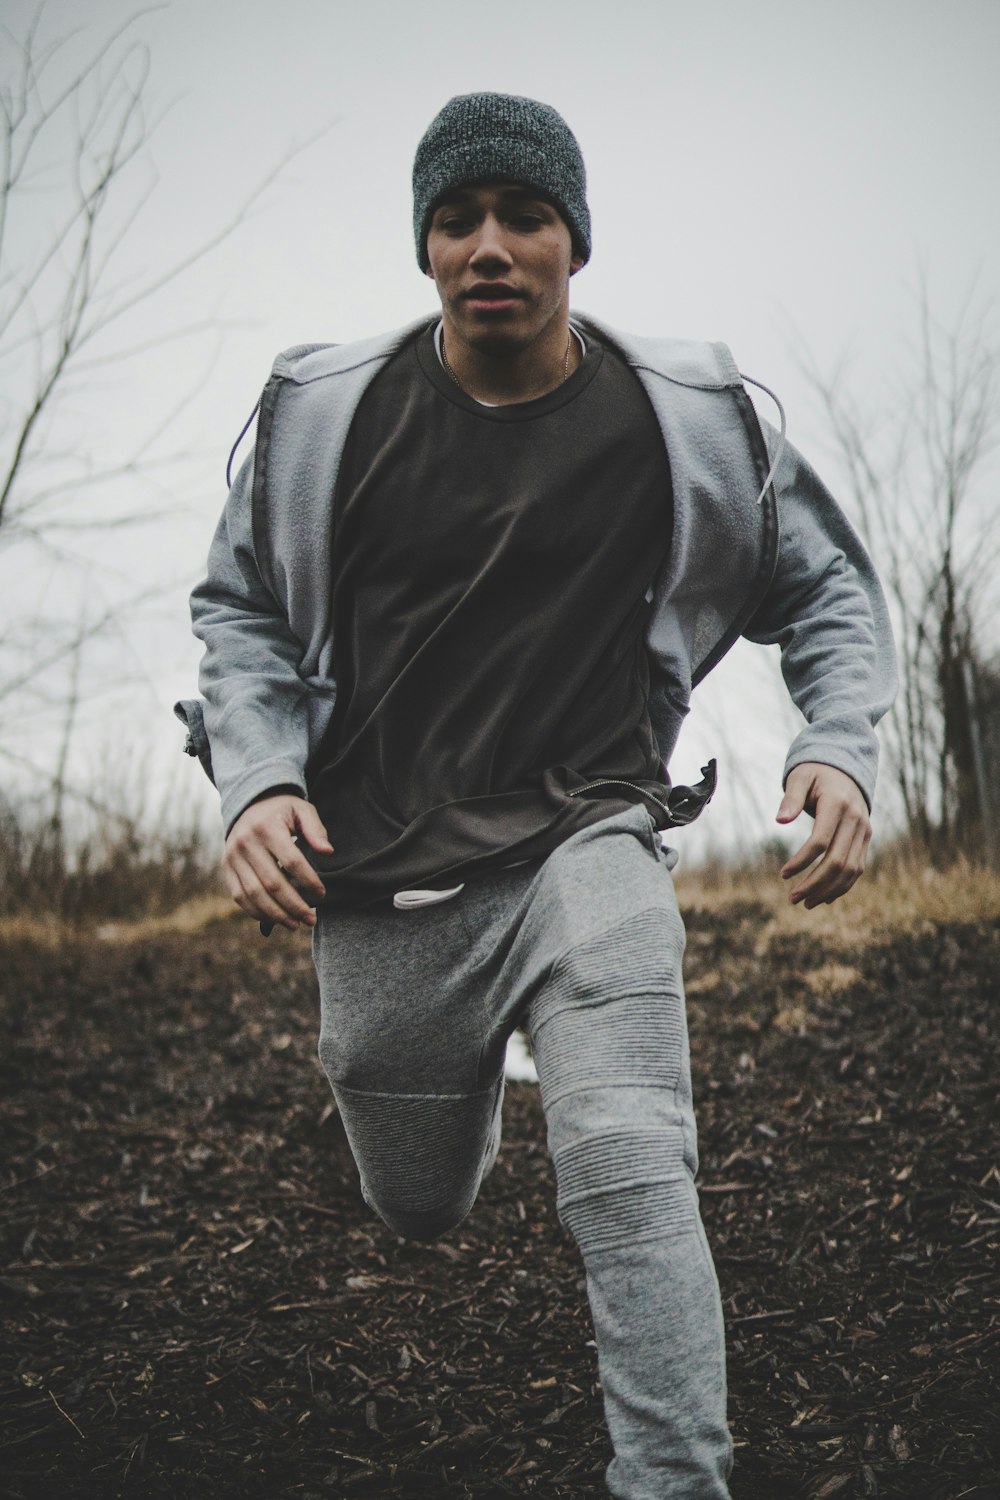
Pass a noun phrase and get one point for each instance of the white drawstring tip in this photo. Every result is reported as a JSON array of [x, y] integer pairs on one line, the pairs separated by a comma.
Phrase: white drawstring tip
[[407, 900]]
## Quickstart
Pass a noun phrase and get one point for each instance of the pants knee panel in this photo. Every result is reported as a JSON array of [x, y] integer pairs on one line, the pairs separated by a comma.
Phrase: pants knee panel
[[625, 1187], [421, 1158], [425, 1224], [633, 1040]]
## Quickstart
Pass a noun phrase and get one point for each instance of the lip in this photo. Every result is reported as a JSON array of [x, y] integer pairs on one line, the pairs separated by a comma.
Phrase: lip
[[491, 297]]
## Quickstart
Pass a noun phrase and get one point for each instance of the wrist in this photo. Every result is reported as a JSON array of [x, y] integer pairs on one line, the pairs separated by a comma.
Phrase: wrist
[[276, 791]]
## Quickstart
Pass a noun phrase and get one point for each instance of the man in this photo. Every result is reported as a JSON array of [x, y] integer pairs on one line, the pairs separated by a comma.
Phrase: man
[[453, 615]]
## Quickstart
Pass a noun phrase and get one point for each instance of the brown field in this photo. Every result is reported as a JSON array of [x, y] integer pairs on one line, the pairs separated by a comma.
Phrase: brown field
[[197, 1304]]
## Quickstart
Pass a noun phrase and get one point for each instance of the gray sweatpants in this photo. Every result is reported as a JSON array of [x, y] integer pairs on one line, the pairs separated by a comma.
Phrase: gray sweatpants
[[584, 951]]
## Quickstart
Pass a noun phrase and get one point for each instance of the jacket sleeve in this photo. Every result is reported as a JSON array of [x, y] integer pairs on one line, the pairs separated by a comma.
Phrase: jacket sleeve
[[826, 611], [256, 704]]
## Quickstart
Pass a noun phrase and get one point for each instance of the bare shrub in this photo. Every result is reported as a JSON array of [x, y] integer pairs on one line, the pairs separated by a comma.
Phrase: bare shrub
[[920, 482]]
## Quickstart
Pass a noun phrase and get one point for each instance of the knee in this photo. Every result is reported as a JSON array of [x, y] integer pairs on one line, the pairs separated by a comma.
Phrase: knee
[[412, 1222], [421, 1159], [626, 1186], [343, 1058]]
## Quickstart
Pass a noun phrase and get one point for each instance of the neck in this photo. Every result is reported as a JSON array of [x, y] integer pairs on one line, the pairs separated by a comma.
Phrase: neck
[[503, 377]]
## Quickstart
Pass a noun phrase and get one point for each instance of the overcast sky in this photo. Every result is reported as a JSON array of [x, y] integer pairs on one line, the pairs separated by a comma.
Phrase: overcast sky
[[774, 175]]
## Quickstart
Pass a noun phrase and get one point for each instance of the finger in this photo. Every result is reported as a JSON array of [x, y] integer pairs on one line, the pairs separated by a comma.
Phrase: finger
[[268, 843], [823, 851], [278, 865], [298, 869], [825, 878], [832, 814], [807, 854], [236, 890], [856, 862], [838, 869], [232, 882], [269, 894], [258, 905], [794, 801], [240, 875], [311, 826], [249, 908], [820, 838]]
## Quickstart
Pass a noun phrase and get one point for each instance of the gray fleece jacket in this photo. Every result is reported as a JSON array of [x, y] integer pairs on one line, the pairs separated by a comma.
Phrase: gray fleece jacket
[[785, 569]]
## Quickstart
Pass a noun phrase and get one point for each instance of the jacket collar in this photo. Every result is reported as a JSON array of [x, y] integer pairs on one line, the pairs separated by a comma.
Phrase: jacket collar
[[707, 367]]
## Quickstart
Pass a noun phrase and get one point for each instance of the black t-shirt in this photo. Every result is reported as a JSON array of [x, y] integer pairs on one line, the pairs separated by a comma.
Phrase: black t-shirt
[[490, 572]]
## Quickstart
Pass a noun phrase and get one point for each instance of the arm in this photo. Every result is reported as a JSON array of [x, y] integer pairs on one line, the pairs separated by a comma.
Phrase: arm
[[826, 611], [256, 704], [256, 720]]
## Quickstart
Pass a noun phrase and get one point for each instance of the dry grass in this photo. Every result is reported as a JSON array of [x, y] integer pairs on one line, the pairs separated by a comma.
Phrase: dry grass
[[119, 860], [49, 931], [893, 898]]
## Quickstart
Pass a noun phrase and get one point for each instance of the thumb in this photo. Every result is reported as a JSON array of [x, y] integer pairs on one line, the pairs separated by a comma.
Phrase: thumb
[[311, 825], [794, 800]]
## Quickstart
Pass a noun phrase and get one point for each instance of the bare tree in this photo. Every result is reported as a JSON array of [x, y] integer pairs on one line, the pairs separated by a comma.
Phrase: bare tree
[[925, 499], [76, 176]]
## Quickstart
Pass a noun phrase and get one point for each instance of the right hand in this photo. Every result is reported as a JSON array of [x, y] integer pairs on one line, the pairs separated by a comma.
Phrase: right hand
[[267, 874]]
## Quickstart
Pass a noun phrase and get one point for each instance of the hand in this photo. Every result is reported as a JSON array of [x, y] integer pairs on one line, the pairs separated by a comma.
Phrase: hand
[[836, 851], [265, 870]]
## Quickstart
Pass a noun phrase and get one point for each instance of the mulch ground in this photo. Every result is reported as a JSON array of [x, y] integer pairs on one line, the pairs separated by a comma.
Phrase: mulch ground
[[195, 1302]]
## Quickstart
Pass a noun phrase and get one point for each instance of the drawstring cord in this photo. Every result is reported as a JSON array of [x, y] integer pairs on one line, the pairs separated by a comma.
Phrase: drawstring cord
[[748, 378], [781, 439], [232, 451]]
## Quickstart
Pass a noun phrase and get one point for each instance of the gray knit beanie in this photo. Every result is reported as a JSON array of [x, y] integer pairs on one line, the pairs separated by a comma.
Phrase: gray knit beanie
[[495, 138]]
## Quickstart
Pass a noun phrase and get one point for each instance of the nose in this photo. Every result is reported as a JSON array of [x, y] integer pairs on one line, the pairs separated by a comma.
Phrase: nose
[[490, 250]]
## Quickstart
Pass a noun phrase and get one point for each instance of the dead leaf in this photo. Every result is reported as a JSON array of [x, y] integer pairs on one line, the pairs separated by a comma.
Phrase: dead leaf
[[898, 1446]]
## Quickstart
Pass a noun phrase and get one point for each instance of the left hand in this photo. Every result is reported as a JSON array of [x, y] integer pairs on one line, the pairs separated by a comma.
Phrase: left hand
[[836, 851]]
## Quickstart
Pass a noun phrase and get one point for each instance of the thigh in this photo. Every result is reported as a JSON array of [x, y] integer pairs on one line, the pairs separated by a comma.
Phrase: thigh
[[603, 921], [400, 1038], [607, 1023], [399, 1009]]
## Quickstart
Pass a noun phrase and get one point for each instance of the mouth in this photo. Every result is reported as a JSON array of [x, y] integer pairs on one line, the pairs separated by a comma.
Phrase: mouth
[[492, 296]]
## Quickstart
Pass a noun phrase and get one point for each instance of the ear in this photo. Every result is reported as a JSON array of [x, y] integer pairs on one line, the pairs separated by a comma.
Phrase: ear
[[429, 272], [576, 264]]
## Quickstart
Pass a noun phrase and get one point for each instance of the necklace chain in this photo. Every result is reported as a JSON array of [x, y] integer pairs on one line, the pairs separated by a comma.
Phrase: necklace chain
[[447, 364]]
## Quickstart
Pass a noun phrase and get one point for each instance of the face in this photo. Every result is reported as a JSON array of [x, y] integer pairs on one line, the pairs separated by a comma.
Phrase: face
[[501, 258]]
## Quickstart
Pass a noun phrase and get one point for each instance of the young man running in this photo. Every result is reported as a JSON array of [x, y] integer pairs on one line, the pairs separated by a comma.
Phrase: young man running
[[454, 612]]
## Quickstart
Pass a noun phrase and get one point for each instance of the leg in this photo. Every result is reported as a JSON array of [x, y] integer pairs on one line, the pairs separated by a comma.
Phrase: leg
[[400, 1040], [610, 1042]]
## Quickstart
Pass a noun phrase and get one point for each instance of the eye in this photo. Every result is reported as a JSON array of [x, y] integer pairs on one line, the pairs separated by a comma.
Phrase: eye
[[454, 223]]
